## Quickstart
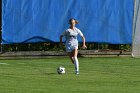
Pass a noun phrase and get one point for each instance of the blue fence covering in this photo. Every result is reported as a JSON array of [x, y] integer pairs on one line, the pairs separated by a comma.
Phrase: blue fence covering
[[103, 21]]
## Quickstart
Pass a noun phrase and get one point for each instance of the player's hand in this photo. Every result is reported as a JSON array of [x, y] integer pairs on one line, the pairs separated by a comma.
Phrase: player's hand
[[84, 47]]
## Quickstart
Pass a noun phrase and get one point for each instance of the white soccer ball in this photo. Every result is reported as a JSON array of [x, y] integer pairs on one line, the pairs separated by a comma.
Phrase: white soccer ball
[[61, 70]]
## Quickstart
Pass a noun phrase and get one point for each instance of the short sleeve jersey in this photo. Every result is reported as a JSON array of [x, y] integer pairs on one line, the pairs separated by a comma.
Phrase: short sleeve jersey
[[71, 36]]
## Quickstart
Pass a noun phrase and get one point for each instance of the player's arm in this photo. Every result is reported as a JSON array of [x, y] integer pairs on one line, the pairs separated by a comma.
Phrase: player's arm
[[61, 36], [84, 44], [83, 38]]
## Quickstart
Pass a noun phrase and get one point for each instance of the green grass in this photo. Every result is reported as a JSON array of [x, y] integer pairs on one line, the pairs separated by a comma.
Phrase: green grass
[[97, 75]]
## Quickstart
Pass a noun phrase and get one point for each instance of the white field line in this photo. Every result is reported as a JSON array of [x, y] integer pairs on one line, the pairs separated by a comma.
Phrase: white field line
[[3, 63]]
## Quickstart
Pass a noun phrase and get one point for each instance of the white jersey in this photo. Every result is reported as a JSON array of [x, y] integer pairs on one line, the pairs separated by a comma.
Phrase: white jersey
[[71, 38]]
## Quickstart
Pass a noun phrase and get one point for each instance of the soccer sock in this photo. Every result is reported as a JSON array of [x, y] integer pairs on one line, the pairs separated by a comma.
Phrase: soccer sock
[[76, 62]]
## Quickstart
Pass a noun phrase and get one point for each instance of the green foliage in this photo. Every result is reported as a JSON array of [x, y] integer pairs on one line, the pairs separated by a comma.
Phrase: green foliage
[[57, 47]]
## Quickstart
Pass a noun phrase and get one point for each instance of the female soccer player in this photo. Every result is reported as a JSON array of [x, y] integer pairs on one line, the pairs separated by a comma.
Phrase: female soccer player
[[71, 43]]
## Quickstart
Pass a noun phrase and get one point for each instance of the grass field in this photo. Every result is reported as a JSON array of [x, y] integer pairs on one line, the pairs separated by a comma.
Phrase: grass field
[[97, 75]]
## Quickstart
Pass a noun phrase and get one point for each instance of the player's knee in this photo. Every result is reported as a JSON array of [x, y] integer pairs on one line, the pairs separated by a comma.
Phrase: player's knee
[[75, 57]]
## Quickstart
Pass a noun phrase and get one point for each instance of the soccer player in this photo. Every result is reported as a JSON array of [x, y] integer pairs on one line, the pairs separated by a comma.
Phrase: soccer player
[[71, 43]]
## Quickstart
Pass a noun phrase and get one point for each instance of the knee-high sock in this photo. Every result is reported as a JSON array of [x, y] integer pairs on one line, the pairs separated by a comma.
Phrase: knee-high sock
[[76, 63]]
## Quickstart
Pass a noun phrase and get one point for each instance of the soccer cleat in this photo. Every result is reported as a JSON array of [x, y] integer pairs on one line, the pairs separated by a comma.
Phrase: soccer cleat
[[77, 72]]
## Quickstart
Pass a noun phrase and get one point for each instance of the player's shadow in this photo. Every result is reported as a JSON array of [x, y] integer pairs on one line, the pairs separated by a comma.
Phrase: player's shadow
[[50, 73]]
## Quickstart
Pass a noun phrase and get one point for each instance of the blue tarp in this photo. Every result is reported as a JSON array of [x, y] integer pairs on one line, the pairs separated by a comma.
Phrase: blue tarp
[[103, 21]]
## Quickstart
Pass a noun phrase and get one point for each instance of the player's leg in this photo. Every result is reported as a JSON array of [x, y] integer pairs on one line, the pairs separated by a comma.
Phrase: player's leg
[[76, 62], [70, 54]]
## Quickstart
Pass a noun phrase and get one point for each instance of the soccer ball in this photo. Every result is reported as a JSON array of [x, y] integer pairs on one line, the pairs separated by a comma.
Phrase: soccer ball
[[61, 70]]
